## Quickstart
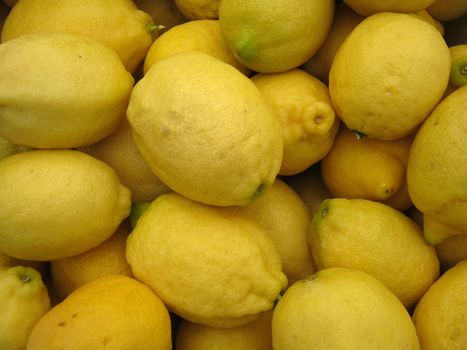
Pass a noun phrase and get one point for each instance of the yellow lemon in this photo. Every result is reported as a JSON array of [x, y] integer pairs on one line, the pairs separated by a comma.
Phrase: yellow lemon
[[440, 317], [120, 152], [383, 81], [309, 125], [458, 75], [113, 312], [23, 301], [108, 258], [448, 10], [116, 23], [210, 265], [377, 239], [284, 216], [164, 12], [437, 169], [341, 308], [199, 9], [205, 130], [57, 203], [255, 335], [345, 20], [370, 7], [197, 35], [424, 15], [368, 169], [310, 186], [274, 36], [451, 251], [60, 90]]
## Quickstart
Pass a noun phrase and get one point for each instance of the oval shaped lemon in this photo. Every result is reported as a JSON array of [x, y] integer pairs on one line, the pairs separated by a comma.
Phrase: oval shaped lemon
[[389, 74], [205, 130], [58, 203], [341, 308], [209, 265], [60, 90]]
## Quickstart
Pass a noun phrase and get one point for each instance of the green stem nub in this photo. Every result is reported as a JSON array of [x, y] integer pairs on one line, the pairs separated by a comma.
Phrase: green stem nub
[[458, 76], [359, 134], [154, 28]]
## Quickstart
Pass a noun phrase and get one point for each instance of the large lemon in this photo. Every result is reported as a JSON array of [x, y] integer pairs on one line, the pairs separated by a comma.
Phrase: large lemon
[[60, 90], [340, 308], [209, 265], [114, 312], [388, 75], [58, 203], [437, 168], [205, 129], [275, 35], [118, 24]]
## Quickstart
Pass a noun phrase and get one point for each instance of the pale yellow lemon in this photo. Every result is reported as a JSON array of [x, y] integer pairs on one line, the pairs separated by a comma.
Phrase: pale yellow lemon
[[286, 219], [440, 317], [23, 301], [370, 7], [340, 308], [114, 312], [310, 186], [108, 258], [164, 13], [368, 168], [378, 80], [120, 152], [205, 129], [197, 35], [60, 90], [118, 24], [58, 203], [199, 9], [275, 36], [302, 105], [210, 265], [377, 239], [255, 335], [345, 20], [448, 10], [424, 15], [437, 169]]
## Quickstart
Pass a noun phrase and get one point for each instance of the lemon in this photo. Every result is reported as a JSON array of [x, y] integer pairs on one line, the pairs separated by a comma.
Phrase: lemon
[[458, 75], [368, 169], [310, 186], [120, 152], [377, 239], [108, 258], [345, 20], [60, 90], [341, 308], [384, 82], [57, 203], [284, 216], [164, 12], [205, 130], [440, 317], [437, 169], [23, 301], [370, 7], [199, 9], [275, 36], [424, 15], [116, 23], [302, 104], [210, 265], [197, 35], [255, 335], [451, 251], [113, 312], [448, 10]]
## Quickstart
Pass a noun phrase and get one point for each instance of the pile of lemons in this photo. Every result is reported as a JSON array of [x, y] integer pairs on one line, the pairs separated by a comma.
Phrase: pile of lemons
[[233, 175]]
